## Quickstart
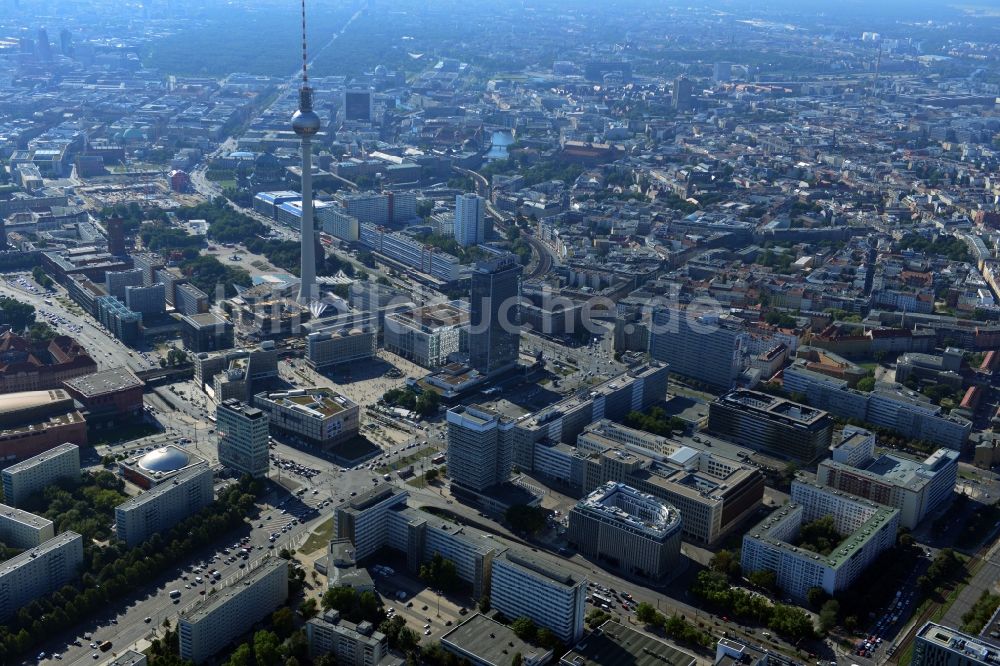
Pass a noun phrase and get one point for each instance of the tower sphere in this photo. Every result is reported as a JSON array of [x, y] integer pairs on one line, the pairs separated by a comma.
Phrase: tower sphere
[[305, 123]]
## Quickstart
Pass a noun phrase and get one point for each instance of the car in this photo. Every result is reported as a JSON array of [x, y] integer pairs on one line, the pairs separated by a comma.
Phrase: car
[[93, 646], [427, 626], [147, 620], [95, 656], [427, 632], [424, 607]]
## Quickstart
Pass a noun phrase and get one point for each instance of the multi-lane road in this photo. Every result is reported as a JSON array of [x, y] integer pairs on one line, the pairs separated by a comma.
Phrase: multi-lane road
[[106, 351]]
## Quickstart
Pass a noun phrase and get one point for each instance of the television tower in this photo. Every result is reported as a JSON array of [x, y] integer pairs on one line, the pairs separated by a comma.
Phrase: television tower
[[306, 124]]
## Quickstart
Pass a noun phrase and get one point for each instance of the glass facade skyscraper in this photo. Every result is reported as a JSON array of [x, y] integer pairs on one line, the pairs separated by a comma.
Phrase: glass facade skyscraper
[[494, 338]]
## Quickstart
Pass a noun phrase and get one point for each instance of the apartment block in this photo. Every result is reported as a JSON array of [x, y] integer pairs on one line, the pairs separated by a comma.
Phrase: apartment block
[[635, 390], [524, 586], [916, 487], [771, 545], [889, 405], [938, 645], [217, 619], [33, 475], [351, 644], [20, 529], [39, 571], [480, 447], [317, 414], [164, 505], [364, 520], [428, 335], [709, 347]]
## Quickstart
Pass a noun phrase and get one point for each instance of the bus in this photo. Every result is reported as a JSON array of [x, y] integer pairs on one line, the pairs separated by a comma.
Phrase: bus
[[599, 599]]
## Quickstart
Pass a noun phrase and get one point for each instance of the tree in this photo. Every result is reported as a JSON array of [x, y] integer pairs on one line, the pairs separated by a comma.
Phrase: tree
[[525, 629], [866, 384], [266, 648], [308, 608], [40, 333], [283, 621], [726, 562], [764, 578], [828, 614], [431, 475], [339, 599], [645, 613], [816, 596], [484, 603], [241, 656], [16, 314], [440, 573], [517, 659]]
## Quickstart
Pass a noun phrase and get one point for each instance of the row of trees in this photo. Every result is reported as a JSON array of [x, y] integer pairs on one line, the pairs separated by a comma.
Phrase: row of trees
[[976, 617], [675, 627], [791, 622], [526, 629], [114, 571], [39, 275]]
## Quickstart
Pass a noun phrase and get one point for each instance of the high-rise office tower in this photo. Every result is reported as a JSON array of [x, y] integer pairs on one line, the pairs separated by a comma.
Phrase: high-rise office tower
[[480, 447], [722, 72], [470, 214], [243, 438], [683, 92], [358, 104], [306, 125], [66, 42], [494, 336], [43, 46], [116, 236], [708, 347]]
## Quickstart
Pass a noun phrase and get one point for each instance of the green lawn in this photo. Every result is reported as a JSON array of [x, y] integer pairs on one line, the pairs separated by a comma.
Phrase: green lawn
[[406, 460], [320, 538]]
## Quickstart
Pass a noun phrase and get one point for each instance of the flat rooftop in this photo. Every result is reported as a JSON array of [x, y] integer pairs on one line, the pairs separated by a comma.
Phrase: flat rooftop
[[845, 549], [431, 317], [104, 382], [18, 516], [972, 647], [41, 458], [773, 406], [615, 644], [538, 567], [315, 402], [57, 541], [203, 607], [490, 641]]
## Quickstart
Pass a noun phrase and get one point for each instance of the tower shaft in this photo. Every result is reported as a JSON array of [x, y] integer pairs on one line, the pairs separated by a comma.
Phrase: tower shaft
[[307, 271]]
